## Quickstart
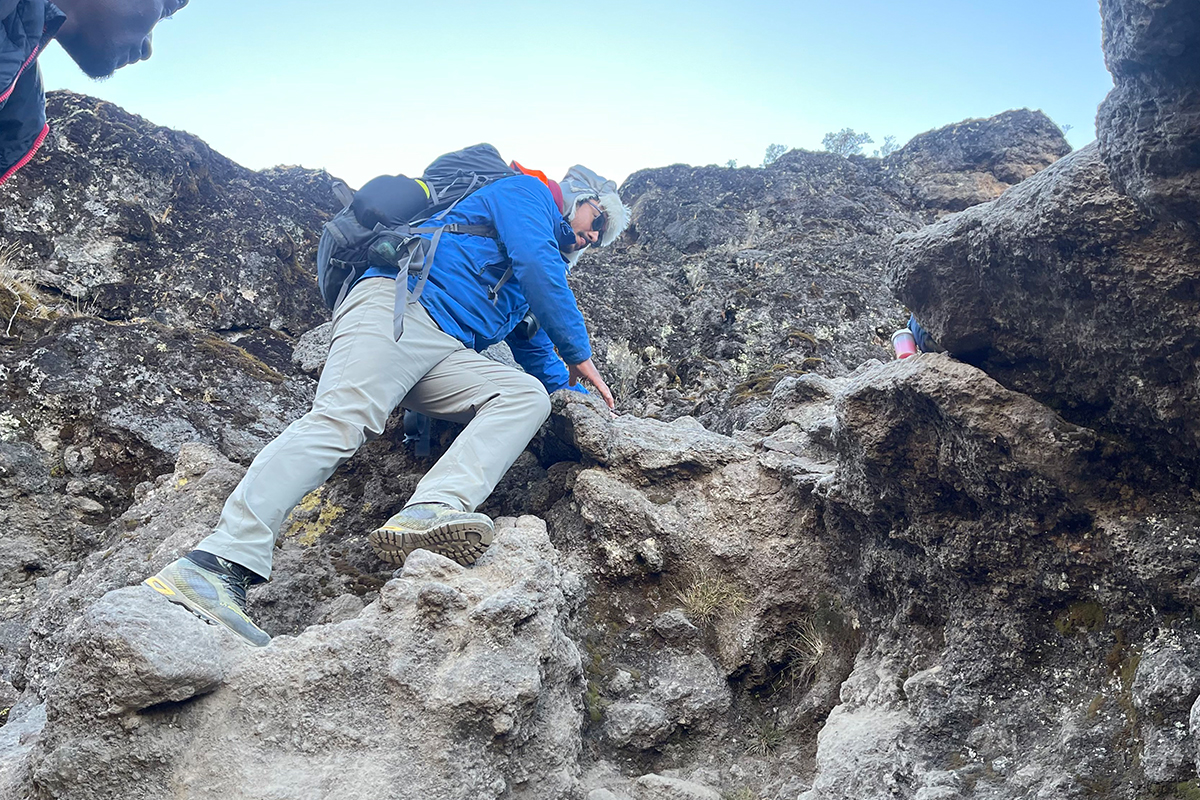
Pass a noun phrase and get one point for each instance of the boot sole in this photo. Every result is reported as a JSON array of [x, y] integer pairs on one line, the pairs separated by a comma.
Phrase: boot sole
[[462, 542], [170, 591]]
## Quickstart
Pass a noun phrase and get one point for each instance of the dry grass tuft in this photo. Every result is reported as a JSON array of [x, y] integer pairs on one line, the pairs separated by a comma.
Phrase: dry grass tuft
[[765, 739], [623, 367], [807, 648], [708, 595], [19, 300]]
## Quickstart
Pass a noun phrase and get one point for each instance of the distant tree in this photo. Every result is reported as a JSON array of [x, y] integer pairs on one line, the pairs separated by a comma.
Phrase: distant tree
[[731, 163], [888, 147], [846, 142], [774, 151], [1066, 128]]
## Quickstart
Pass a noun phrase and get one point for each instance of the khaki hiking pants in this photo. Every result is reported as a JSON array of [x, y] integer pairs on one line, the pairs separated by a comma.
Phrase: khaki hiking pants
[[367, 375]]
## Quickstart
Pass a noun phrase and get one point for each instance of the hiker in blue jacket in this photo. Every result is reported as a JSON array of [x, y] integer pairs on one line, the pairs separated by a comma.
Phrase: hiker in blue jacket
[[434, 367], [100, 35]]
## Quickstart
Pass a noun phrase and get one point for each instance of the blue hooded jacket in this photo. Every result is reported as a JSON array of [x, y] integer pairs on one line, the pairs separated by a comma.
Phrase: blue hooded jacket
[[26, 27], [465, 268]]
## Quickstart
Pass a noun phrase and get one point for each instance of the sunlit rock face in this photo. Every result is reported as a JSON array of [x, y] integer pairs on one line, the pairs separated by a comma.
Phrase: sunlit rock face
[[974, 161], [791, 568], [124, 219]]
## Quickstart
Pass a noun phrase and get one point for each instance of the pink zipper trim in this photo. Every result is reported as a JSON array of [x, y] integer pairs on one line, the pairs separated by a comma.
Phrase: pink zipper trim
[[20, 72], [28, 156]]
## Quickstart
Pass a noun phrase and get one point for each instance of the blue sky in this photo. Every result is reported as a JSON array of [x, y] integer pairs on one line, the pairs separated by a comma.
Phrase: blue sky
[[384, 87]]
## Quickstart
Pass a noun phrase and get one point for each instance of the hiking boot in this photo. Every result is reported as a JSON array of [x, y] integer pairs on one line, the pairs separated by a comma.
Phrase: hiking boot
[[213, 589], [458, 535]]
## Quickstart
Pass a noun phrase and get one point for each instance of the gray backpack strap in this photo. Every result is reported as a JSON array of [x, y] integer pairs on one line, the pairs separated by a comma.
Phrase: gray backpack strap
[[342, 192], [422, 267], [486, 231], [346, 284], [494, 292], [398, 308], [427, 255]]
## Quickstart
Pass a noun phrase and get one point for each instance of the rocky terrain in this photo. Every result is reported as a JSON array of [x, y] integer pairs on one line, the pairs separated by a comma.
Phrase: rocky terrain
[[790, 569]]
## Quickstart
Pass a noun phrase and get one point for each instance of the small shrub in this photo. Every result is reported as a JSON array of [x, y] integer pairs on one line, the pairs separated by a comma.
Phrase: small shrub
[[888, 147], [846, 142], [774, 151], [708, 595], [766, 738], [745, 793]]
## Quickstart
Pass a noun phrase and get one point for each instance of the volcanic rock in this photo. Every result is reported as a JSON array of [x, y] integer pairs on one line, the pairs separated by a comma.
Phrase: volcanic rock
[[974, 161], [1149, 125], [788, 568], [731, 280], [1070, 291]]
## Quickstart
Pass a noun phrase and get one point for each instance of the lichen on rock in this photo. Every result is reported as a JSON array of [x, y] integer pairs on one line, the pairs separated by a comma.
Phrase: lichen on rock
[[788, 568]]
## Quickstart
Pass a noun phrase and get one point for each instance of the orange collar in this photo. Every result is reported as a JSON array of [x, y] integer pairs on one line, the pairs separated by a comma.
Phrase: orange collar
[[553, 186]]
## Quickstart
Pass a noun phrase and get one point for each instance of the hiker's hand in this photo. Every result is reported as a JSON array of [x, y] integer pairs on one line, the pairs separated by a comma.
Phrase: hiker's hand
[[587, 371]]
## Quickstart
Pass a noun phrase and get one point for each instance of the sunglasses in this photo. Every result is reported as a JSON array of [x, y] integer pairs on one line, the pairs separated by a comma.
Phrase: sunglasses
[[600, 221]]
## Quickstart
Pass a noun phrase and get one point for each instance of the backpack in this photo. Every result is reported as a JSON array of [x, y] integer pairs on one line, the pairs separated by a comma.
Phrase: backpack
[[379, 225]]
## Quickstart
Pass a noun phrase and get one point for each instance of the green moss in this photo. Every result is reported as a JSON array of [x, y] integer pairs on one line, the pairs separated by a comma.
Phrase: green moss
[[232, 354], [595, 702], [1186, 790], [1098, 787], [1080, 617], [1127, 671]]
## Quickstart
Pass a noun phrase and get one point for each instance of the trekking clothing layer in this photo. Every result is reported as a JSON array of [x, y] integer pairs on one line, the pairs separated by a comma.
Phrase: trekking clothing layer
[[368, 373], [26, 27], [466, 268], [925, 342]]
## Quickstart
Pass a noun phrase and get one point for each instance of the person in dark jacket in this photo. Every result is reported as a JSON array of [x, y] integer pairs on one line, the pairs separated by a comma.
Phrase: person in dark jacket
[[435, 368], [100, 35]]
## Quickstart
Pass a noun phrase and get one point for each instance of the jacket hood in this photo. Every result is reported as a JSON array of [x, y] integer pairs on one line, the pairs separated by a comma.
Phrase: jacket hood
[[7, 7], [583, 184]]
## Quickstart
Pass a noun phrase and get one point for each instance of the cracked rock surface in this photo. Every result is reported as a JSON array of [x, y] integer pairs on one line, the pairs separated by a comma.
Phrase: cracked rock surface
[[787, 570]]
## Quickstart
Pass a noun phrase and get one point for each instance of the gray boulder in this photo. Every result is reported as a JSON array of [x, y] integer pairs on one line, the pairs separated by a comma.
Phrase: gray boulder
[[130, 220], [1149, 125], [975, 160], [426, 693], [1055, 290]]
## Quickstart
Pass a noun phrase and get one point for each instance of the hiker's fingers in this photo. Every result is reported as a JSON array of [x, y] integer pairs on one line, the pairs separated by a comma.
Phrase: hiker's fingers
[[586, 370], [602, 388]]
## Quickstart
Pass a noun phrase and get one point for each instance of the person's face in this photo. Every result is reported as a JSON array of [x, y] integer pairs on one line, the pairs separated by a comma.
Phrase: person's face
[[588, 224], [104, 35]]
